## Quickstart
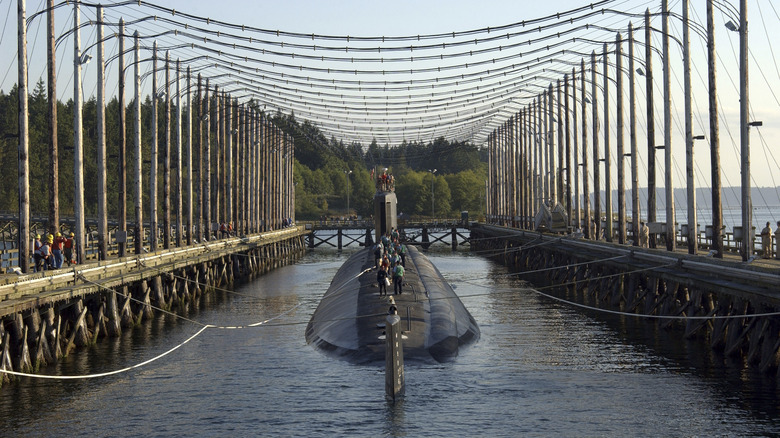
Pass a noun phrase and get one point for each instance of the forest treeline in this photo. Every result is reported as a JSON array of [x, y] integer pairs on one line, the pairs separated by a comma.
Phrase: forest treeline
[[321, 164]]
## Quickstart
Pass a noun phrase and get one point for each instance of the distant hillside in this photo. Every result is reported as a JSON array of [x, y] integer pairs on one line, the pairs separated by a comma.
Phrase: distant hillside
[[730, 197]]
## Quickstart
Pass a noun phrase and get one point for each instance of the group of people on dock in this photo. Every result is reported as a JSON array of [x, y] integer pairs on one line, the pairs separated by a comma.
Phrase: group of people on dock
[[390, 260], [53, 251]]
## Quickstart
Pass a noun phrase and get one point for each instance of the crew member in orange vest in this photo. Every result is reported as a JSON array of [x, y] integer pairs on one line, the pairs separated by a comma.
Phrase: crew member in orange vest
[[68, 249]]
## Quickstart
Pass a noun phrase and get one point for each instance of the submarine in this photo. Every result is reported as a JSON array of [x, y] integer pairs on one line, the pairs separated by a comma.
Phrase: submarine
[[350, 319]]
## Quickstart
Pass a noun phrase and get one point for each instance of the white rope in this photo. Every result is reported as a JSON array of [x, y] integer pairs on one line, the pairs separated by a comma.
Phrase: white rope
[[109, 373], [257, 324]]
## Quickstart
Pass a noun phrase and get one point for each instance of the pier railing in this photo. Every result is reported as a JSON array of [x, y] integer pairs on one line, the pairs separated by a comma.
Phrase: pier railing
[[732, 240]]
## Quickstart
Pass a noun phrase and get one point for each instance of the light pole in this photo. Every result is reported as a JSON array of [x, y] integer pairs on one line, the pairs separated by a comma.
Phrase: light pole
[[347, 173], [433, 214]]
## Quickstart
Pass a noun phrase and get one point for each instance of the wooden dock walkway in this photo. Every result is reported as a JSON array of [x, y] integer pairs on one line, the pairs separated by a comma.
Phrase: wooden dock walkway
[[49, 313], [732, 305]]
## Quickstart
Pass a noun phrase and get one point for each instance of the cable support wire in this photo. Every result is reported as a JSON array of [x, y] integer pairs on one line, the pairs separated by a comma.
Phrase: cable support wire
[[312, 36], [376, 49]]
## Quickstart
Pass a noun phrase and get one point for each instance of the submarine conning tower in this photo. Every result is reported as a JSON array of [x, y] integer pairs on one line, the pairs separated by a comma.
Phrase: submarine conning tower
[[385, 211]]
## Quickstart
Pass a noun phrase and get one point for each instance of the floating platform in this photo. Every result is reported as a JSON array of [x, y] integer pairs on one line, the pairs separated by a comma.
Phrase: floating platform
[[349, 321]]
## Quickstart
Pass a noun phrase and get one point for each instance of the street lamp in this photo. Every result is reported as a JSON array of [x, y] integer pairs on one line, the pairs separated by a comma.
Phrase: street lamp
[[433, 214], [347, 172]]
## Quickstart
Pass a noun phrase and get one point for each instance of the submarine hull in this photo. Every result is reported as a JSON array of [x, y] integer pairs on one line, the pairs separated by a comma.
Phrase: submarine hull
[[349, 321]]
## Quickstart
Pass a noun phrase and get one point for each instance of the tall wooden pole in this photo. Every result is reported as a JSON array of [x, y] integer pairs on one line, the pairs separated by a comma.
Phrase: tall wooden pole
[[122, 245], [671, 231], [24, 142], [689, 169], [154, 160], [717, 206], [635, 217], [548, 129], [217, 214], [567, 152], [596, 169], [78, 146], [536, 181], [101, 141], [54, 165], [240, 167], [520, 132], [206, 159], [575, 151], [201, 158], [490, 175], [651, 185], [621, 168], [744, 135], [167, 158], [608, 232], [179, 187], [139, 224], [229, 160], [264, 160], [252, 192], [561, 148], [585, 185], [188, 153]]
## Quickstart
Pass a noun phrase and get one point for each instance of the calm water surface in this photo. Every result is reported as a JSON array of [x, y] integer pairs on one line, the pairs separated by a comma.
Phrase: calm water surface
[[541, 368]]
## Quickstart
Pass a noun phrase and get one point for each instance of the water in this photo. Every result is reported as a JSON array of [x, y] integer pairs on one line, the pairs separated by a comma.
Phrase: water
[[541, 368]]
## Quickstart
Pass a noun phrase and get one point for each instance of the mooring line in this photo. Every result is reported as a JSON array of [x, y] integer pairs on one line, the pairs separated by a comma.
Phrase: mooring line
[[256, 324], [108, 373], [129, 296]]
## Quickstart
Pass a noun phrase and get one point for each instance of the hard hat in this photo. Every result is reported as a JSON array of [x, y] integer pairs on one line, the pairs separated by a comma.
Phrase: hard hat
[[58, 234], [37, 236], [71, 234]]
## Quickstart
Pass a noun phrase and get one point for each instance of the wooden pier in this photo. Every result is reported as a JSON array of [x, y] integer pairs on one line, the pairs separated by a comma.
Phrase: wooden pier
[[731, 305], [48, 314]]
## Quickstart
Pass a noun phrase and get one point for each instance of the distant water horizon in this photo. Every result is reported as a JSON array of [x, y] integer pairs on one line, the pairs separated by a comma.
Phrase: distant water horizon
[[765, 200]]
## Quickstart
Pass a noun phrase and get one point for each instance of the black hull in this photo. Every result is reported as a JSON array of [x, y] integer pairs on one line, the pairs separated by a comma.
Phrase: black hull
[[348, 321]]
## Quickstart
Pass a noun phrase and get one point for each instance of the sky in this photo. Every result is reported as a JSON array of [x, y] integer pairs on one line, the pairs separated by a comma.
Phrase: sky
[[401, 17]]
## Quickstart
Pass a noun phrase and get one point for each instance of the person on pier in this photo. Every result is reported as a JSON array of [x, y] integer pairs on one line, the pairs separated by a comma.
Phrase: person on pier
[[56, 250], [46, 253], [37, 256], [766, 242], [68, 249], [644, 235]]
